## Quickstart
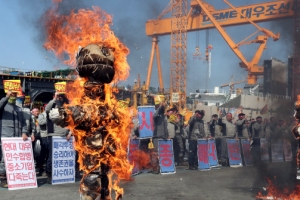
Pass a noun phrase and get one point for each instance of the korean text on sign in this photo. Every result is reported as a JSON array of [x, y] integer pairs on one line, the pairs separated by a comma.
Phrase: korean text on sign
[[19, 163], [234, 152], [166, 156], [63, 161], [146, 126]]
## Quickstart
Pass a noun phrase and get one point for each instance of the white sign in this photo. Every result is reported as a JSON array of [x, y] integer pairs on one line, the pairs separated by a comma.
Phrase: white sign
[[175, 97], [19, 163], [63, 160]]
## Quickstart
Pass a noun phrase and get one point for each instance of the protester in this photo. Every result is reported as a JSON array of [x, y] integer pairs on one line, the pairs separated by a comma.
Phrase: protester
[[258, 132], [215, 132], [160, 132], [197, 131], [13, 124], [53, 130], [42, 136], [228, 132], [241, 126]]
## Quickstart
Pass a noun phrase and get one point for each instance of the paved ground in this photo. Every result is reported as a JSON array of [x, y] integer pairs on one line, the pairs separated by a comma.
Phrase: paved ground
[[217, 184]]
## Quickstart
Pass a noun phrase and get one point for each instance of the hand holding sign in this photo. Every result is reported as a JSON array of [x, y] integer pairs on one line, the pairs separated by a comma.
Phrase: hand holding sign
[[8, 93]]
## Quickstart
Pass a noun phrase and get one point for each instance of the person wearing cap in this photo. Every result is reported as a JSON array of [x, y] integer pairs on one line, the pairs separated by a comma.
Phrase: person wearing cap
[[241, 126], [196, 131], [228, 132], [12, 124]]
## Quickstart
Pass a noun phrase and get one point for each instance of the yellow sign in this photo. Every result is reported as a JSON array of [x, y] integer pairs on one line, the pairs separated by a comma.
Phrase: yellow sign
[[175, 97], [13, 85], [60, 87], [158, 99], [27, 100]]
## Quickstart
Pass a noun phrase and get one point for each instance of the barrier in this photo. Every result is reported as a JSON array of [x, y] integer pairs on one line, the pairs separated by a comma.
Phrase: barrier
[[166, 156], [234, 153], [202, 152]]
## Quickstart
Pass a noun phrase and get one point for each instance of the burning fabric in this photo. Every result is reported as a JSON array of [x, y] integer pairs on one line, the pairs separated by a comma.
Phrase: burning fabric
[[101, 128]]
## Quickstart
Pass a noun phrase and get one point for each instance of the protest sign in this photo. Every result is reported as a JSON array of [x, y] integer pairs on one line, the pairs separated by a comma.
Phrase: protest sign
[[166, 156], [264, 150], [202, 151], [19, 163], [63, 160], [27, 100], [287, 150], [234, 153], [60, 87], [145, 117], [248, 160], [12, 85], [277, 150], [133, 151], [212, 153]]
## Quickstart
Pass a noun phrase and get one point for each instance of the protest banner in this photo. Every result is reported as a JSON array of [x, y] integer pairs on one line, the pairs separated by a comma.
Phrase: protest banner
[[277, 150], [166, 156], [234, 153], [247, 155], [202, 151], [27, 100], [60, 87], [63, 160], [212, 153], [264, 150], [145, 117], [133, 151], [19, 163], [12, 85], [287, 150]]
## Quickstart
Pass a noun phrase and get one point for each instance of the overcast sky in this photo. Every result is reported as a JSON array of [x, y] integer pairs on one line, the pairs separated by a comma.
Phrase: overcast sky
[[21, 40]]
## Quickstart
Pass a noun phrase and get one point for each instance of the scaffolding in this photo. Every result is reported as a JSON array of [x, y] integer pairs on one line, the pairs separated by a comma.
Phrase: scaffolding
[[296, 56]]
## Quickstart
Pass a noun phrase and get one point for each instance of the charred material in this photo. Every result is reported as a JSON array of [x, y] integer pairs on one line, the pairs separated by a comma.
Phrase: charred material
[[95, 64]]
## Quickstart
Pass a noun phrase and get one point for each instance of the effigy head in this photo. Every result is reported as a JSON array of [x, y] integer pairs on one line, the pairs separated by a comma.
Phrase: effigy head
[[96, 62]]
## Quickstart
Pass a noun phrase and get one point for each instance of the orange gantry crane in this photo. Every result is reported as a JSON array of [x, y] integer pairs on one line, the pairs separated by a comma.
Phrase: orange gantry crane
[[200, 16]]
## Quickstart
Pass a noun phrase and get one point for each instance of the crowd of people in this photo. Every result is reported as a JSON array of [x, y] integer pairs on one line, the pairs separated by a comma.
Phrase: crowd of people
[[170, 124], [17, 120]]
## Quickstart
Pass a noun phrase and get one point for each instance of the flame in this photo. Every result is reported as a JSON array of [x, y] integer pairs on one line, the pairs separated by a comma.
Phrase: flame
[[65, 34], [275, 193]]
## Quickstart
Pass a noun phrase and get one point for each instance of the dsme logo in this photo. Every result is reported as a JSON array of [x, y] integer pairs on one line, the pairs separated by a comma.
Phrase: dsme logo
[[221, 16]]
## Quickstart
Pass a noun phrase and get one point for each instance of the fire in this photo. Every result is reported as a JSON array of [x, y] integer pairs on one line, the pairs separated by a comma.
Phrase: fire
[[275, 193], [64, 35]]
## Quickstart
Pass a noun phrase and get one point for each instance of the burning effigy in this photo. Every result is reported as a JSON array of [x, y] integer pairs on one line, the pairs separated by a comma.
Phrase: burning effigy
[[100, 126]]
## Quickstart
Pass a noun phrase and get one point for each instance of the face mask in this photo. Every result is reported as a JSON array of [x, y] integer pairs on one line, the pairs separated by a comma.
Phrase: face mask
[[59, 103], [12, 100]]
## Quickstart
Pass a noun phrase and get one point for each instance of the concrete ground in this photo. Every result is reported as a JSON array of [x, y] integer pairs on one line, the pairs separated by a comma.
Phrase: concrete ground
[[216, 184]]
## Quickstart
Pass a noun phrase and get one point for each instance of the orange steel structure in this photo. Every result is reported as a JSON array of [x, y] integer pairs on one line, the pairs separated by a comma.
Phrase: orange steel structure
[[178, 51], [207, 17], [296, 57]]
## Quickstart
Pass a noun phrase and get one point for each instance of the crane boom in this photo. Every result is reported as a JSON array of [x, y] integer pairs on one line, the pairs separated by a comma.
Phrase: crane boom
[[226, 17]]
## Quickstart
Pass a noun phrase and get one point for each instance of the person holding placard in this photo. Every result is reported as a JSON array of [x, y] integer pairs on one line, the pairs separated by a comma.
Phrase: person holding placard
[[54, 130], [12, 124]]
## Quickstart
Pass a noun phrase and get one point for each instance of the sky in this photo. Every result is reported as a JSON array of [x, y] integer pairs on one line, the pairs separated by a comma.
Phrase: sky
[[22, 38]]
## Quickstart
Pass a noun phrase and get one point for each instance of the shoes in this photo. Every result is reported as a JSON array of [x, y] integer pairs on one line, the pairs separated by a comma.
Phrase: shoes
[[3, 183], [183, 164], [49, 178], [193, 168], [41, 171]]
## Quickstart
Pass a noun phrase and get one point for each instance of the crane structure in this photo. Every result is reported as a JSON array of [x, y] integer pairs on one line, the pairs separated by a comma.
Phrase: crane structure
[[203, 16], [178, 52], [231, 84]]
